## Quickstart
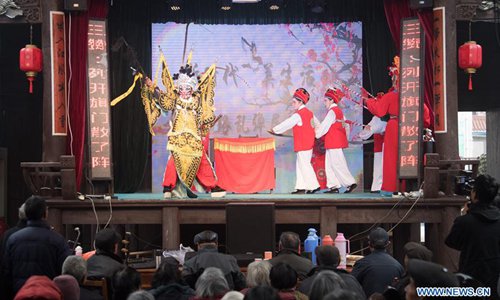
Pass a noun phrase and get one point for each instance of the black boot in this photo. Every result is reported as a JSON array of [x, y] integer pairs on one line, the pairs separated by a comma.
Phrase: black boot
[[190, 194]]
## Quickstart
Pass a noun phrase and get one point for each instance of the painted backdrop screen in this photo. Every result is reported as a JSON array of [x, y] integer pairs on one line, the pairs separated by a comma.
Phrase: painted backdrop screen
[[258, 69]]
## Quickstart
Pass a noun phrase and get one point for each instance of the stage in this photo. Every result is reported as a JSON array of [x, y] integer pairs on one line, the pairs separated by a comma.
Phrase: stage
[[326, 210]]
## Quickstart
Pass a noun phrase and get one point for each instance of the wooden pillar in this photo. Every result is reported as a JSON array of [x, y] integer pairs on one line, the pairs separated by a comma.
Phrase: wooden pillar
[[493, 143], [328, 221], [171, 229], [54, 219], [447, 143], [53, 146]]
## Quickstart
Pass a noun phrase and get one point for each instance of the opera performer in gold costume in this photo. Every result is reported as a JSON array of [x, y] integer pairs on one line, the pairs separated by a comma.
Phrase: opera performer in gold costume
[[191, 100]]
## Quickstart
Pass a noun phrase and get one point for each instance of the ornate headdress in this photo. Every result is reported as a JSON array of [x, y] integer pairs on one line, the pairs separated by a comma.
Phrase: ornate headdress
[[394, 68], [186, 77], [302, 95]]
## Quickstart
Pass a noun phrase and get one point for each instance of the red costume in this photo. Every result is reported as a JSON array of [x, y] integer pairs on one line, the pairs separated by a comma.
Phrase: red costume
[[205, 174], [336, 137], [389, 104], [303, 136]]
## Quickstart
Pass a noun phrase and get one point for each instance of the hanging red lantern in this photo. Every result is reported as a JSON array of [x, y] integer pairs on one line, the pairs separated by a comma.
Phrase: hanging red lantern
[[30, 61], [470, 57]]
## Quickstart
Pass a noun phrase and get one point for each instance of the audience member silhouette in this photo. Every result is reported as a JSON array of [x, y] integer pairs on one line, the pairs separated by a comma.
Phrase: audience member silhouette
[[376, 271], [105, 262], [35, 249], [208, 256], [477, 234], [284, 278], [167, 283], [76, 266], [289, 249]]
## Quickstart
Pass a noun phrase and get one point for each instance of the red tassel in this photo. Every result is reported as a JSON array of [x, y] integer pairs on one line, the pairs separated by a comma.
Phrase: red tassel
[[30, 79], [470, 82]]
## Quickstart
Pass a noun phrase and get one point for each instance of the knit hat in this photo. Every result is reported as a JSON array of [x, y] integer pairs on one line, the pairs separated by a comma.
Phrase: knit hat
[[302, 95], [40, 288], [68, 286]]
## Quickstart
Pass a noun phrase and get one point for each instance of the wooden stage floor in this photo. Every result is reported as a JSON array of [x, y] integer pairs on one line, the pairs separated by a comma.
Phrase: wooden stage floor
[[326, 210]]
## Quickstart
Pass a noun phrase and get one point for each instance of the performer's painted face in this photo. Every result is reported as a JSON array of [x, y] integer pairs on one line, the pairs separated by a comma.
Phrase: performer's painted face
[[185, 91], [296, 103]]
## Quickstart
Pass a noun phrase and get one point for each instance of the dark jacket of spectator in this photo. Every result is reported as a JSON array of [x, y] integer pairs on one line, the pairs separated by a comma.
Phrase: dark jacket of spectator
[[477, 236], [350, 281], [103, 264], [300, 264], [376, 271], [173, 291], [34, 250], [3, 242], [210, 257]]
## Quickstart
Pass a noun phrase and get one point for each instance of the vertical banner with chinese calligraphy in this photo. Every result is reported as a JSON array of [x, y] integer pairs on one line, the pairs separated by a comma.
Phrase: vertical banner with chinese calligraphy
[[99, 130], [439, 52], [58, 63], [411, 96]]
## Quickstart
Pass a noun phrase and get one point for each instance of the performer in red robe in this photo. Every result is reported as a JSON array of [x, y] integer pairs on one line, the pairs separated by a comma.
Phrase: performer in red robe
[[389, 104]]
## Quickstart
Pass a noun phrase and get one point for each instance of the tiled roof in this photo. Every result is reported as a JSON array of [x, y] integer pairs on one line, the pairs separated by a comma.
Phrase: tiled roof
[[478, 123]]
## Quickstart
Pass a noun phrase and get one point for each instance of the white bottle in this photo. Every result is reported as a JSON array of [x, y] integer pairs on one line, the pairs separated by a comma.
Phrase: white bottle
[[344, 248], [78, 251]]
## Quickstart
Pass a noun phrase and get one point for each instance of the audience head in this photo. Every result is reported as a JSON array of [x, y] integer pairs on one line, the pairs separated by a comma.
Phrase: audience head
[[75, 266], [22, 212], [258, 273], [125, 281], [167, 272], [324, 283], [107, 240], [69, 287], [342, 294], [289, 240], [211, 284], [283, 276], [262, 293], [428, 274], [39, 287], [378, 238], [233, 295], [141, 295], [205, 239], [327, 256], [485, 189], [35, 208], [376, 296], [416, 250]]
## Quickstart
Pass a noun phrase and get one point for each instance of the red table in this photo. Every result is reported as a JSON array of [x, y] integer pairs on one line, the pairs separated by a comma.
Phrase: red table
[[245, 165]]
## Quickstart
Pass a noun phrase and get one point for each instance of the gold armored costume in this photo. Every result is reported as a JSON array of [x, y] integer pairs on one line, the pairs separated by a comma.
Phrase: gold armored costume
[[192, 117]]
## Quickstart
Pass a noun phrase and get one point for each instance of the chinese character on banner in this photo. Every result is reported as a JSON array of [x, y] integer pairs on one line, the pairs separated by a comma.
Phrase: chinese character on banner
[[58, 72], [98, 101], [411, 95]]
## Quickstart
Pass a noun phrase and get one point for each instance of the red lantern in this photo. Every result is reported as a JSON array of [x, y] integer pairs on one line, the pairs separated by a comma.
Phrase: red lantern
[[30, 61], [470, 57]]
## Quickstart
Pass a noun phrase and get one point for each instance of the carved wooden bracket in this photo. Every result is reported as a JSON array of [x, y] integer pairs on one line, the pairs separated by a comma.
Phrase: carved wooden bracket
[[51, 179], [32, 13], [468, 10]]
